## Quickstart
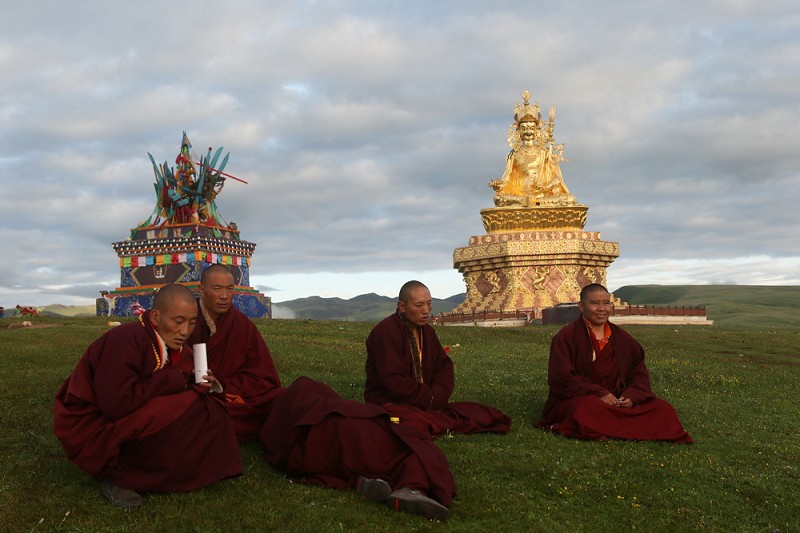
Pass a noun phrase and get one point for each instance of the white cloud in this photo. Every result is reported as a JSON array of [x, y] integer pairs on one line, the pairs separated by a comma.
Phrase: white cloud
[[368, 132]]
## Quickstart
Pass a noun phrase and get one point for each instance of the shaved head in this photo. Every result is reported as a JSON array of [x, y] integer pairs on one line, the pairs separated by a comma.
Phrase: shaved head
[[211, 270], [592, 287], [168, 295], [408, 287]]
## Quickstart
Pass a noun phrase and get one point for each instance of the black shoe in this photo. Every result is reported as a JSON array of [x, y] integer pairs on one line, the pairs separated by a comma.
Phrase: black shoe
[[414, 502], [374, 490], [120, 497]]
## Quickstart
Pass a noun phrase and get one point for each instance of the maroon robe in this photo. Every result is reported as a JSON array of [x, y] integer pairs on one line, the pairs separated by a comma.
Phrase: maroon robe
[[240, 360], [308, 430], [574, 408], [391, 383], [125, 415], [314, 434]]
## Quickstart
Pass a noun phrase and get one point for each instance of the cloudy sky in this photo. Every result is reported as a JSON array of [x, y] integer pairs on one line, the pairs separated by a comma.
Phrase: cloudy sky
[[368, 131]]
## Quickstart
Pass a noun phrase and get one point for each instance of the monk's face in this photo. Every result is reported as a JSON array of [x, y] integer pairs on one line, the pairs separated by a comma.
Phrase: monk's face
[[418, 307], [175, 322], [596, 307], [217, 292]]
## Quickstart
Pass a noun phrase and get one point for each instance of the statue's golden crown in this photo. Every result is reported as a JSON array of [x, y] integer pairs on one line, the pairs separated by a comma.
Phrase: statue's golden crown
[[526, 109]]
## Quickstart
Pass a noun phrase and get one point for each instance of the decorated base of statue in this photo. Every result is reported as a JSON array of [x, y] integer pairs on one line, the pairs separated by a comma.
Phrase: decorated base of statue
[[531, 270]]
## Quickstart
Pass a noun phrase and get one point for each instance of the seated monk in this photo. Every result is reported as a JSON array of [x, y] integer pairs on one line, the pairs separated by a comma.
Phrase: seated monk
[[307, 429], [411, 376], [236, 352], [599, 384], [129, 417]]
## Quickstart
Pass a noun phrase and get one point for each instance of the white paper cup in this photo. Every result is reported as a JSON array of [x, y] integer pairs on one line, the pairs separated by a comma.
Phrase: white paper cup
[[200, 362]]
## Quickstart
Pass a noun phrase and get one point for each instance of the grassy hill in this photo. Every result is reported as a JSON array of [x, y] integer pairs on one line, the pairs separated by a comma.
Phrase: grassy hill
[[364, 308], [736, 306], [70, 310]]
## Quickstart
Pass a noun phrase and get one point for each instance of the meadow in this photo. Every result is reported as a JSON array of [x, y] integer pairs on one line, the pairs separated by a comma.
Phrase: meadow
[[735, 389]]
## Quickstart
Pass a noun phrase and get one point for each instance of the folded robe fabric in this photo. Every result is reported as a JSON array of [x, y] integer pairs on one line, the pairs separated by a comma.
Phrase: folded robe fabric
[[314, 434]]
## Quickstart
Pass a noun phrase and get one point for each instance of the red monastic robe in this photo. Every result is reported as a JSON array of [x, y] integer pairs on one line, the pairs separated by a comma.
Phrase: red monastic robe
[[314, 434], [308, 430], [573, 407], [126, 414], [391, 382], [240, 360]]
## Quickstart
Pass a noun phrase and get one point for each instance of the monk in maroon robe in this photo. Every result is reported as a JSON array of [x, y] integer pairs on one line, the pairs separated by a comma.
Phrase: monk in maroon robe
[[307, 429], [599, 384], [411, 376], [237, 354], [129, 417]]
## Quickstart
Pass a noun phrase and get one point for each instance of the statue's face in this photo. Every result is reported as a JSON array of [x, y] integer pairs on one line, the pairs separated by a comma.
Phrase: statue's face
[[527, 130]]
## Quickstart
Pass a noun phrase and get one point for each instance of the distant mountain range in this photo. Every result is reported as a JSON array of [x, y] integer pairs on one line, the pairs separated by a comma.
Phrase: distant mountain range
[[742, 306], [364, 308]]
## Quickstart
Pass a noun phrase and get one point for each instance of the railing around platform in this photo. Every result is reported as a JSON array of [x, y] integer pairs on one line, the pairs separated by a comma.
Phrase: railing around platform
[[660, 310], [530, 315], [480, 316]]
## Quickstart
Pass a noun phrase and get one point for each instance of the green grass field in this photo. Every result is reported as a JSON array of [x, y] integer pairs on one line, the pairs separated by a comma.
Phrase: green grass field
[[735, 389]]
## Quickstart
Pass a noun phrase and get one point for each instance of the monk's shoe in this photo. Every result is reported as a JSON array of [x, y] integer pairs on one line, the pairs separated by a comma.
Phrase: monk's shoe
[[414, 502], [374, 490], [120, 497]]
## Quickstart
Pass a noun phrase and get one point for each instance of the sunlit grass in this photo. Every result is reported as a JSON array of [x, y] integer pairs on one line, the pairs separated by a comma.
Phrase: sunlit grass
[[736, 392]]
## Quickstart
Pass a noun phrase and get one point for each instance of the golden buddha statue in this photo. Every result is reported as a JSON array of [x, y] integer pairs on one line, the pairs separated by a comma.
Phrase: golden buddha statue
[[532, 176]]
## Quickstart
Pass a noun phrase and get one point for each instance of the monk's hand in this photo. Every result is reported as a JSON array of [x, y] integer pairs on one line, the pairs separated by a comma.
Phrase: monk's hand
[[610, 399], [211, 383], [624, 402]]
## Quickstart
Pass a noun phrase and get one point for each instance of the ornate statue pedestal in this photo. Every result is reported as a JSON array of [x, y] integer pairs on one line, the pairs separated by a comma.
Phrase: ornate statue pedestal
[[513, 219], [178, 253], [531, 258]]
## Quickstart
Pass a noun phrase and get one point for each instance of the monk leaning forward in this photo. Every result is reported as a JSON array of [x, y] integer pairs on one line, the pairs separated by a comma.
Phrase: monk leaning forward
[[599, 384], [130, 418]]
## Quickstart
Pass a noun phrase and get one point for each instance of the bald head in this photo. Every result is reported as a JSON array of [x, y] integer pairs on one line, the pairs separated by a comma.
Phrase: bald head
[[214, 269], [591, 288], [408, 287], [170, 295]]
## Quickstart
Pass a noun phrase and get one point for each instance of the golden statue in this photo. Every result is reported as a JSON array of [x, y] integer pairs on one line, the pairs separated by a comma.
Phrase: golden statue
[[532, 175]]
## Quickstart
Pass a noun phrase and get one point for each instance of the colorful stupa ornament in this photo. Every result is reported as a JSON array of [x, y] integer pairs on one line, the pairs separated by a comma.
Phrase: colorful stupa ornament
[[182, 236]]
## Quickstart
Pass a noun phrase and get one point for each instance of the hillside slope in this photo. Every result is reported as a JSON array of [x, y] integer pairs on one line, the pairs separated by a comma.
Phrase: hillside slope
[[364, 308], [739, 306]]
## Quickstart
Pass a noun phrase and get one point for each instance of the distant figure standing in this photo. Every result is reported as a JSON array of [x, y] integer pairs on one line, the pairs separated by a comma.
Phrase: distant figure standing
[[599, 384], [411, 376], [111, 301]]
